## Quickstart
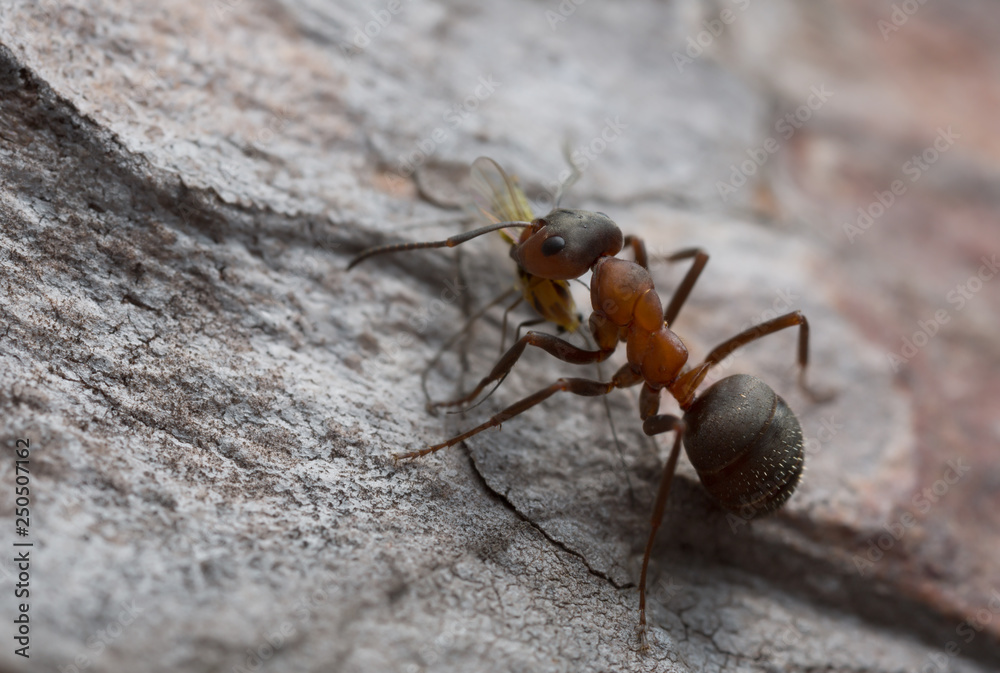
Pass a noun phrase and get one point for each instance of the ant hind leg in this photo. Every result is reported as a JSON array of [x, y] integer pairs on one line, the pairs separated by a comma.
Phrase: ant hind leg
[[686, 385], [654, 425]]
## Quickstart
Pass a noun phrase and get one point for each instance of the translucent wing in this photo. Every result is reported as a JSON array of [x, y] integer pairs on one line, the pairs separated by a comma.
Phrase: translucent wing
[[501, 199], [498, 195]]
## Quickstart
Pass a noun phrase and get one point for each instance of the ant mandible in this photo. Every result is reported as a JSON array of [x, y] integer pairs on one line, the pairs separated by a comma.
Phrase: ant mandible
[[740, 436]]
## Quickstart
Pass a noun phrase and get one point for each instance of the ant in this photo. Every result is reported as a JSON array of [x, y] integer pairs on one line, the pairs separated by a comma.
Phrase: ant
[[741, 437], [500, 198]]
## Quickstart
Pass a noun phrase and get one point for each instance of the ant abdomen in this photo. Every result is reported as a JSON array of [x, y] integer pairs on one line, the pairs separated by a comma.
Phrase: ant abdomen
[[745, 444]]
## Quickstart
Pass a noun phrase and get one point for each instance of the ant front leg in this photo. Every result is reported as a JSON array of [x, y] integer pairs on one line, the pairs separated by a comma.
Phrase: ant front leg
[[690, 278], [553, 345], [638, 250], [683, 389], [623, 378], [520, 328]]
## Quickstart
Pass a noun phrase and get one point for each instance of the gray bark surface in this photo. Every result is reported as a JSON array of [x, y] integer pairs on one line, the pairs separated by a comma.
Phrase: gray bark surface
[[213, 402]]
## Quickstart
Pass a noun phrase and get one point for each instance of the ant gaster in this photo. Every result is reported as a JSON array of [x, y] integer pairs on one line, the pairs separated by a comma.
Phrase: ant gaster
[[741, 437]]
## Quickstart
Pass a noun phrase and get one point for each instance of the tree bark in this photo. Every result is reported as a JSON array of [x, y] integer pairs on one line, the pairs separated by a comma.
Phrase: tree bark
[[213, 402]]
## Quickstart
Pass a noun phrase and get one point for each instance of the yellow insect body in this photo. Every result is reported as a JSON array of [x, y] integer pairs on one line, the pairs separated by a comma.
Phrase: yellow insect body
[[505, 201]]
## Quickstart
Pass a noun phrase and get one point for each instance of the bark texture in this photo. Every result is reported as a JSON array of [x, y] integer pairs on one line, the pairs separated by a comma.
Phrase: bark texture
[[213, 402]]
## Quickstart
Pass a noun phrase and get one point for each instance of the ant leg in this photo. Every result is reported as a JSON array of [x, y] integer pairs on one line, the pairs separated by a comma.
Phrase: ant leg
[[683, 389], [503, 323], [454, 339], [638, 249], [684, 289], [528, 323], [654, 426], [690, 278], [553, 345], [623, 377]]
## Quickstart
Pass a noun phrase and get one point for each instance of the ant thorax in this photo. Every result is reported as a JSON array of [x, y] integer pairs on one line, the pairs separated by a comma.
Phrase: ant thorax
[[622, 293]]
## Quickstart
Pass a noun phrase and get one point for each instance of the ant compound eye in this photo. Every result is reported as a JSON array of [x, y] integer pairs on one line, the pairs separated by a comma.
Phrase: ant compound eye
[[553, 245]]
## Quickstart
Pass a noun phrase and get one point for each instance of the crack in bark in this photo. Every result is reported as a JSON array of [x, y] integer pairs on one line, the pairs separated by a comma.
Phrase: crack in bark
[[558, 543]]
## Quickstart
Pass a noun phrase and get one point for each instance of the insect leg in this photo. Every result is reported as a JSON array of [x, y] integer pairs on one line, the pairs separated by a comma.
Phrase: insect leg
[[655, 425], [586, 387], [454, 339], [527, 323], [553, 345], [690, 278], [638, 249], [683, 389], [614, 431], [503, 323]]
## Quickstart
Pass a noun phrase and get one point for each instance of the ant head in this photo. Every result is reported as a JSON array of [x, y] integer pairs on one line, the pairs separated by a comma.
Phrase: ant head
[[565, 243]]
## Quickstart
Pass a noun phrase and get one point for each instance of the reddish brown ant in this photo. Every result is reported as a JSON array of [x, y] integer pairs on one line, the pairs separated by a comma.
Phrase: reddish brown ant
[[742, 438], [501, 199]]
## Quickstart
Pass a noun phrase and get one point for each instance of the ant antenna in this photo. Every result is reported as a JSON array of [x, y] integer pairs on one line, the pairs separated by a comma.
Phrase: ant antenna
[[447, 243]]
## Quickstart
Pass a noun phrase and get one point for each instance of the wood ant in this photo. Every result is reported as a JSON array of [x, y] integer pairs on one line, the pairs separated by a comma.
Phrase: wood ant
[[501, 199], [741, 437]]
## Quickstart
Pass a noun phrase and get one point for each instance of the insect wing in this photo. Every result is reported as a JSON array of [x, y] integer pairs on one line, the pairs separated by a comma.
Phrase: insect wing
[[498, 195]]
